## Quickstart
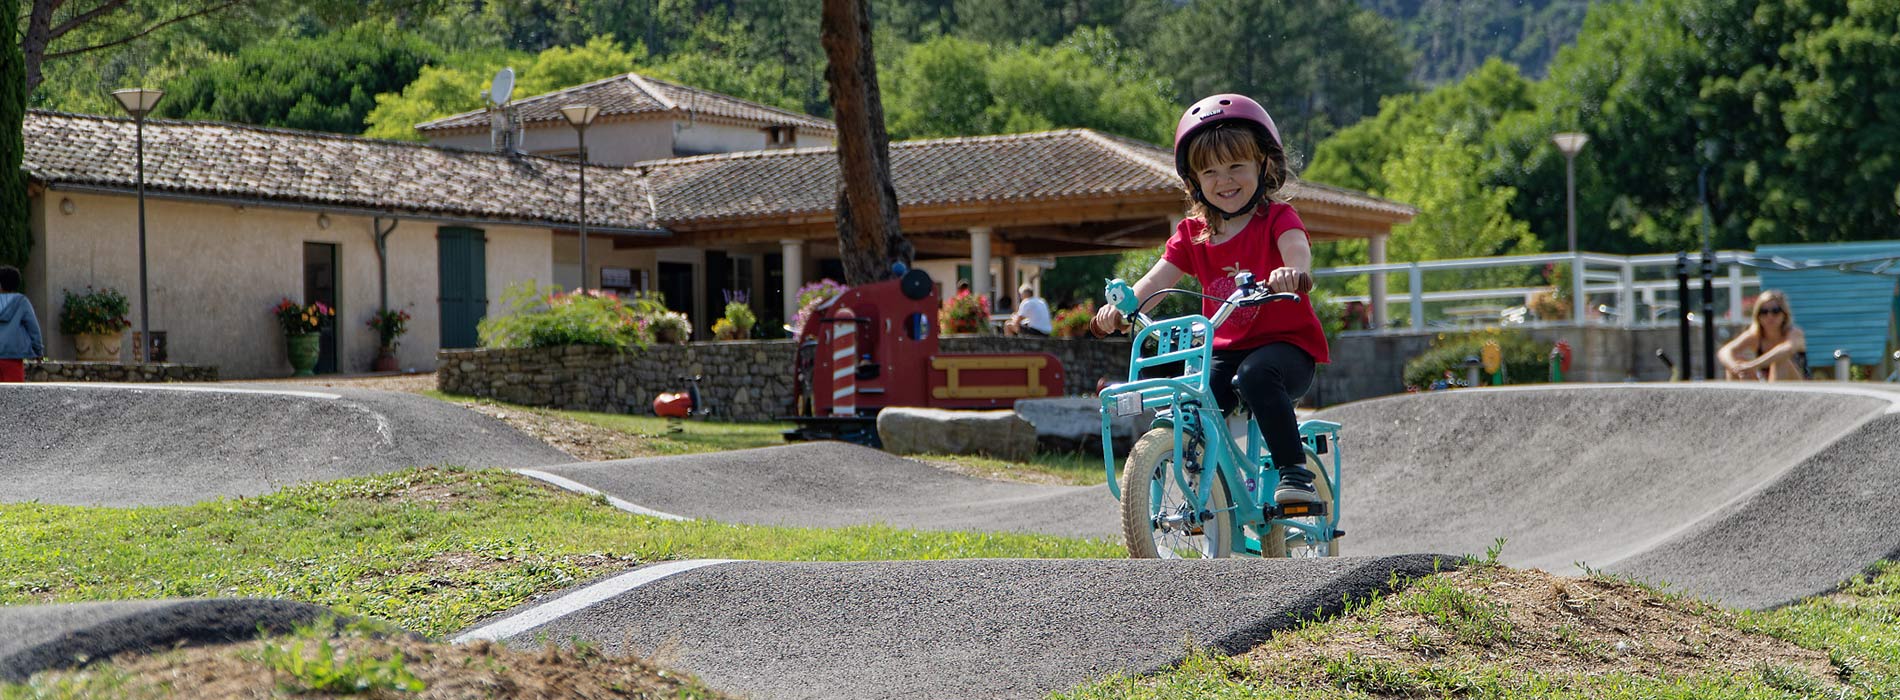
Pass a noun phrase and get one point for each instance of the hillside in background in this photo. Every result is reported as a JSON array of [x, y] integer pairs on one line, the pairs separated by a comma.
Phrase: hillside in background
[[1454, 37]]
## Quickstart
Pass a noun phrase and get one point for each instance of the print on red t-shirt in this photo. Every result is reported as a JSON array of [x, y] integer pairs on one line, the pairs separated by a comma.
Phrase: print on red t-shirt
[[1256, 249]]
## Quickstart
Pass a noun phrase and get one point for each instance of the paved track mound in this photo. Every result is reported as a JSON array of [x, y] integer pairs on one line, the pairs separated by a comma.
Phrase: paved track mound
[[128, 445], [35, 638], [955, 629], [1747, 496], [833, 484]]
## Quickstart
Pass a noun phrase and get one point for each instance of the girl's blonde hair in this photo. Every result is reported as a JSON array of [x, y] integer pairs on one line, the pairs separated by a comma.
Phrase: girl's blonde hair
[[1787, 311], [1224, 143]]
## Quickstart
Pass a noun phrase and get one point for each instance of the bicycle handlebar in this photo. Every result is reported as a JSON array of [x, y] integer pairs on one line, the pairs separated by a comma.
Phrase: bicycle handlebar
[[1246, 293]]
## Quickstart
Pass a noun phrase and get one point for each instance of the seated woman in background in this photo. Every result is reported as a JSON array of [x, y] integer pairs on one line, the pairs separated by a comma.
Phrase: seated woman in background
[[1772, 348]]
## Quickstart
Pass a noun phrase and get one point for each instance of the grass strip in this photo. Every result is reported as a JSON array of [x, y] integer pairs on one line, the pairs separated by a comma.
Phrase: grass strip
[[432, 550]]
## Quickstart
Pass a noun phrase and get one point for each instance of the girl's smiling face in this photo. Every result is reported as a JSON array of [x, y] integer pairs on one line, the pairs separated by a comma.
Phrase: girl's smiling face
[[1229, 184]]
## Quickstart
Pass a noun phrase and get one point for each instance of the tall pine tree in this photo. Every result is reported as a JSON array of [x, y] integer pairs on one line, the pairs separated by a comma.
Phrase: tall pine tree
[[16, 241]]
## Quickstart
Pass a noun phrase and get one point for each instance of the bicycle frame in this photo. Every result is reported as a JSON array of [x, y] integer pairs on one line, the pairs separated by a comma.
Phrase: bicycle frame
[[1186, 405]]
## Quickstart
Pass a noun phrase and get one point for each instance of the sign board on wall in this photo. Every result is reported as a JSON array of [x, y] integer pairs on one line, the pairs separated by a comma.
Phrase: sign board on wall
[[616, 277]]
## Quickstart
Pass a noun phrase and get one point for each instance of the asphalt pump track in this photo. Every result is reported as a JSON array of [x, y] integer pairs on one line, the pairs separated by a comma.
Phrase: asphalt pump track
[[1749, 495]]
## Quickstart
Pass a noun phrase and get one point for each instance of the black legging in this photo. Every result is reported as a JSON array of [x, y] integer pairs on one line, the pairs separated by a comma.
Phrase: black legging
[[1271, 377]]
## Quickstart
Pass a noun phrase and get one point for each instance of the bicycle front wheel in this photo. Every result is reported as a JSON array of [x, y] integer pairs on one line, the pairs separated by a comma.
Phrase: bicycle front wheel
[[1159, 519], [1283, 541]]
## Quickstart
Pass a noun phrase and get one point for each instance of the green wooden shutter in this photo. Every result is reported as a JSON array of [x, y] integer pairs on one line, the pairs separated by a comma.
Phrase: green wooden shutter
[[462, 264]]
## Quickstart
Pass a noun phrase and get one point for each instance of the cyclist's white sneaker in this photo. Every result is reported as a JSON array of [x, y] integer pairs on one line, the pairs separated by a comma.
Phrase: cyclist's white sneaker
[[1290, 492]]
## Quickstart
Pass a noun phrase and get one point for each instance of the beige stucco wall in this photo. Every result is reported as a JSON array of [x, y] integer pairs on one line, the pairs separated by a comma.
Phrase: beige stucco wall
[[216, 269]]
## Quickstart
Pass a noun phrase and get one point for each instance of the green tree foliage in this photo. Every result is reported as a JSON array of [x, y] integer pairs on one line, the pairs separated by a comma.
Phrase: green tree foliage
[[1792, 109], [1458, 217], [16, 241], [324, 83], [950, 86], [1316, 66], [1455, 37], [440, 91]]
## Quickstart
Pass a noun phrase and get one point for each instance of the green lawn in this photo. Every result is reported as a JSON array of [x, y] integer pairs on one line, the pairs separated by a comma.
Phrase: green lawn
[[432, 550]]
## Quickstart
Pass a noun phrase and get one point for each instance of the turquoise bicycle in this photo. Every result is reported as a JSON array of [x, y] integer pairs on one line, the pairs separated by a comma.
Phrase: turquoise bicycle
[[1188, 489]]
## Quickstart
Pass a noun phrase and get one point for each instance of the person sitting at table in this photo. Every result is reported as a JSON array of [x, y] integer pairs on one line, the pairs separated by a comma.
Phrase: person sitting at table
[[1772, 348], [1031, 317]]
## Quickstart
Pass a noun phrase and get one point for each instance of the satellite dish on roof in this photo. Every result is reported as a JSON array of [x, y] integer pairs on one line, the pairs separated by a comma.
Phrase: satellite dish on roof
[[502, 87]]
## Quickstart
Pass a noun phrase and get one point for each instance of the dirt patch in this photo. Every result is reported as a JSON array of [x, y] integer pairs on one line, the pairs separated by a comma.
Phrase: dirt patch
[[996, 473], [1531, 622], [448, 672], [583, 441], [410, 382]]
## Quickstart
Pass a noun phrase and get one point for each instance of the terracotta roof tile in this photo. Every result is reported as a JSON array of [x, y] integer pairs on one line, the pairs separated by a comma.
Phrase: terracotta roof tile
[[243, 162], [1071, 163], [632, 93]]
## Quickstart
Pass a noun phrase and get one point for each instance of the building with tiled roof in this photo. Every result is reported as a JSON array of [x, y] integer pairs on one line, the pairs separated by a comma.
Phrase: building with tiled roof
[[239, 217], [641, 118]]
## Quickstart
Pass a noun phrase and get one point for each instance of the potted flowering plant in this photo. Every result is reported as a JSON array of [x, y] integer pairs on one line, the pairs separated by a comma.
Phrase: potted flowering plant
[[389, 325], [965, 313], [97, 321], [301, 323]]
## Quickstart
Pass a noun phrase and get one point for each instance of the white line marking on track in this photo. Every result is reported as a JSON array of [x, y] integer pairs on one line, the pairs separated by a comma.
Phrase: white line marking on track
[[579, 487], [166, 387], [581, 599]]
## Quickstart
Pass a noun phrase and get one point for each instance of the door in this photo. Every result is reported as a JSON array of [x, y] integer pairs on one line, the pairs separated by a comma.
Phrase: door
[[462, 267], [676, 284], [319, 285]]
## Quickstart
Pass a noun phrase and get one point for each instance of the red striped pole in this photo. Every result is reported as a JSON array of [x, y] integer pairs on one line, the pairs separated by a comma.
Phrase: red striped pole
[[844, 363]]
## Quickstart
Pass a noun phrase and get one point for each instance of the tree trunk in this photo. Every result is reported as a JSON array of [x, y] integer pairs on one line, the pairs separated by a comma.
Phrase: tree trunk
[[868, 236], [16, 241], [39, 33]]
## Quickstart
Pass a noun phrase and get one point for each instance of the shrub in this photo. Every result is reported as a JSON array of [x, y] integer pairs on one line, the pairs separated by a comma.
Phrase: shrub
[[739, 315], [538, 318], [1525, 361], [389, 325], [810, 296], [965, 313], [301, 318], [100, 311], [1073, 322]]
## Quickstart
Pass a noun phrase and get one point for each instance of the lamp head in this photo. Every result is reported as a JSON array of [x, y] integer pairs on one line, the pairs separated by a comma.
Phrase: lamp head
[[580, 115], [138, 102], [1570, 142]]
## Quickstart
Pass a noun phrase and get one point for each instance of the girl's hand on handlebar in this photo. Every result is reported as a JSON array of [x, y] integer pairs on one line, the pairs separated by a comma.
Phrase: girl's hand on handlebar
[[1288, 279], [1108, 319]]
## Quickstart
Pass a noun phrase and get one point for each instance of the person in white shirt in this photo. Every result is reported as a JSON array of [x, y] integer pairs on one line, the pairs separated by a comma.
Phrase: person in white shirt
[[1032, 315]]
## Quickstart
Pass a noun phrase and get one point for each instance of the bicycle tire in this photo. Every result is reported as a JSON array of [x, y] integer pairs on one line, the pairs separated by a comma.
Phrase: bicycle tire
[[1147, 484], [1276, 544]]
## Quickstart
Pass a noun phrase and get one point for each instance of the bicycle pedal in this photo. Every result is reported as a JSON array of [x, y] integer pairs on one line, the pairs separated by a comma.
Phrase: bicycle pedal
[[1300, 510]]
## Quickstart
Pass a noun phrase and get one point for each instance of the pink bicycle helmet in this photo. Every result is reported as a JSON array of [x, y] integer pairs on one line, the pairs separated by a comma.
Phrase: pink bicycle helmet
[[1213, 110]]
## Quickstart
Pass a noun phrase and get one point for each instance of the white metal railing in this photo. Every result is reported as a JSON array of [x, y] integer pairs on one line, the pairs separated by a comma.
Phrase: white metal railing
[[1636, 295]]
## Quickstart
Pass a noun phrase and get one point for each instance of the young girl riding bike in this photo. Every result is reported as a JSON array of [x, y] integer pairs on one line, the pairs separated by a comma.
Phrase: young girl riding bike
[[1230, 158]]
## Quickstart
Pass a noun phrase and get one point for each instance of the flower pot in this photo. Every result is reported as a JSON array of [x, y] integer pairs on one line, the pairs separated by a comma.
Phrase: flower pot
[[386, 360], [303, 349], [98, 347]]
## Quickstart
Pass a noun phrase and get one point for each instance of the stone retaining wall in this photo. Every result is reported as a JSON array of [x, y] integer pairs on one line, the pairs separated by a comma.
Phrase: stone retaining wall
[[744, 380], [65, 371]]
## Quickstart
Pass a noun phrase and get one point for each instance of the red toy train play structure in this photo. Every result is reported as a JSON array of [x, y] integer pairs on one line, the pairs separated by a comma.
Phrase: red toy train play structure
[[876, 346]]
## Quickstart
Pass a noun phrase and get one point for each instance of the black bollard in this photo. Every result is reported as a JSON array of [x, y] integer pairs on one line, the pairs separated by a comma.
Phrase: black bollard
[[1682, 313], [1708, 314]]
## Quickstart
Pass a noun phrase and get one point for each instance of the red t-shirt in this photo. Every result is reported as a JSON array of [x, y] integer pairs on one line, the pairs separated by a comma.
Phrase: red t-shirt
[[1255, 249]]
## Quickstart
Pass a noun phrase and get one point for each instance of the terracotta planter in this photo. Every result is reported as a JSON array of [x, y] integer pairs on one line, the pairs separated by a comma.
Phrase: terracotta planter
[[386, 360], [303, 349], [98, 347]]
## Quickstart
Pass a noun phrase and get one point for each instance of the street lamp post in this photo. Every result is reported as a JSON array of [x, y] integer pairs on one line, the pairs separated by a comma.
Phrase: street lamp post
[[139, 102], [580, 116], [1570, 143]]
